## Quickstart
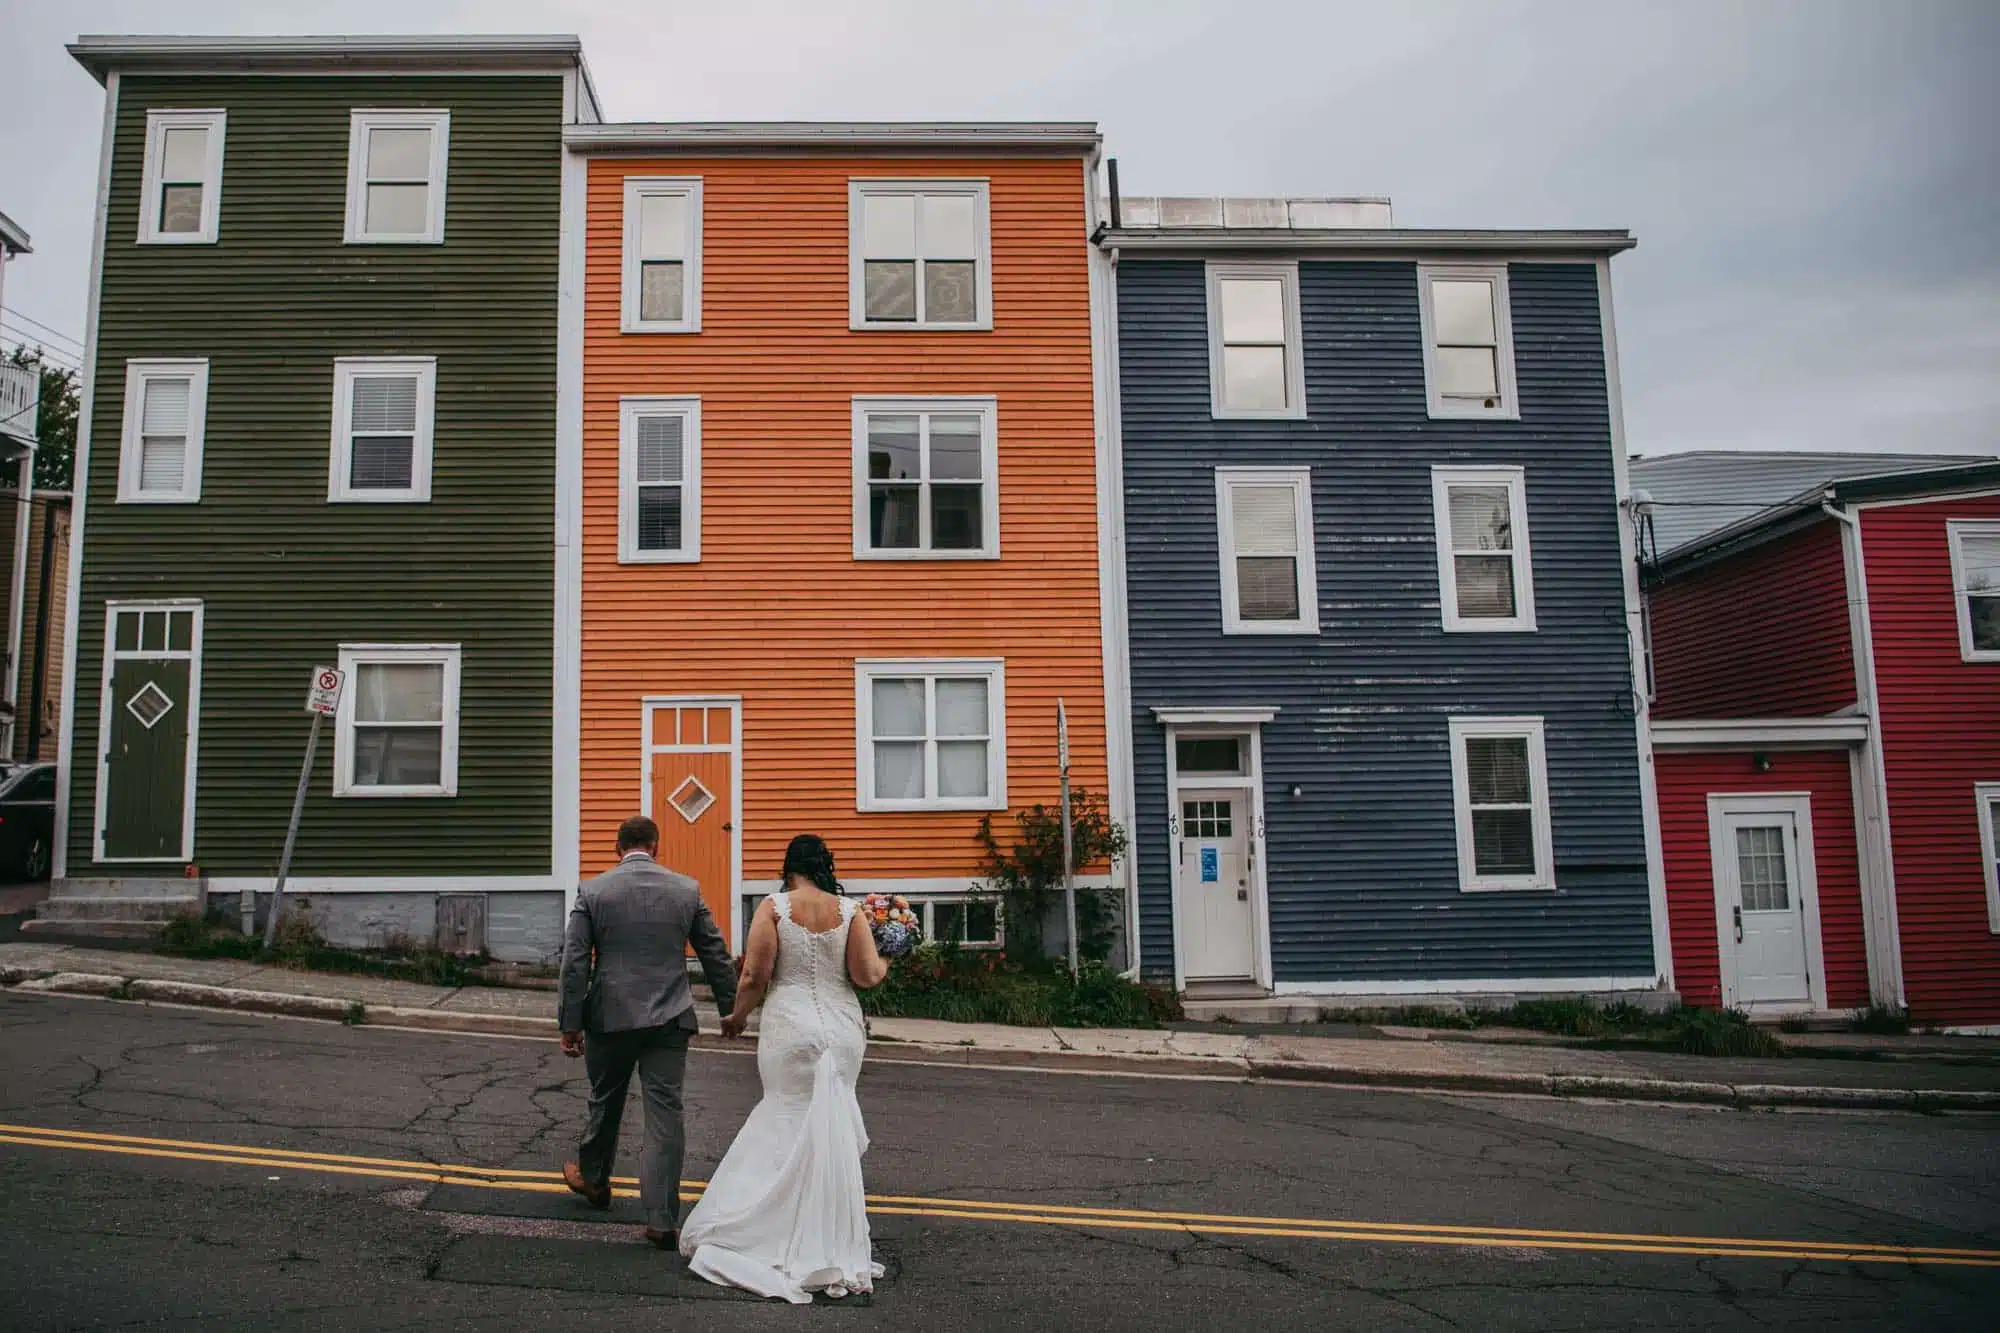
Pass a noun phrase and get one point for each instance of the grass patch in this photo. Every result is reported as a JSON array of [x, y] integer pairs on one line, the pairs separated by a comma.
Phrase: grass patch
[[966, 986], [1617, 1026], [299, 945], [1880, 1021]]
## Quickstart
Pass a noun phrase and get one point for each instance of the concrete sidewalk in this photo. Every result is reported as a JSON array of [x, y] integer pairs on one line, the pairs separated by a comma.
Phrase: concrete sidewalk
[[1963, 1075]]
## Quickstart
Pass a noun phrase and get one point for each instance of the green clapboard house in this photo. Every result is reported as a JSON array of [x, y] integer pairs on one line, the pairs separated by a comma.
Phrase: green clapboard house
[[320, 429]]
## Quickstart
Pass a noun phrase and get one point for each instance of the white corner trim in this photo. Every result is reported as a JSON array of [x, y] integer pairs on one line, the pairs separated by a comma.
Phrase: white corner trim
[[80, 467], [566, 777], [153, 178], [1214, 717], [1286, 273], [359, 122], [638, 188], [1734, 733], [1470, 986], [1520, 554], [1636, 632], [1506, 405]]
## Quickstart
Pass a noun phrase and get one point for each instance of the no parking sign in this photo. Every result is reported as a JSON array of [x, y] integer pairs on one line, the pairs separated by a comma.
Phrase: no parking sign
[[324, 696]]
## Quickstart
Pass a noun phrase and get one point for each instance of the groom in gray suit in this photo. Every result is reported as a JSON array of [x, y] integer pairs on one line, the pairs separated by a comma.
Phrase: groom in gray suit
[[625, 1003]]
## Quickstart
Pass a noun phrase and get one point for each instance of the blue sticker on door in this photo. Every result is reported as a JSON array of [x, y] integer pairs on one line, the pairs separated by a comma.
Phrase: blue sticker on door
[[1211, 865]]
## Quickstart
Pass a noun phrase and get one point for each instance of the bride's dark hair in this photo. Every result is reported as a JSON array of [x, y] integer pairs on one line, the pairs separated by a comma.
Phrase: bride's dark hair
[[810, 858]]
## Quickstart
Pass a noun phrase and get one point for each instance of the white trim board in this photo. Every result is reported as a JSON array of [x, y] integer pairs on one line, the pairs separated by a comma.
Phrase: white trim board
[[87, 395], [239, 884], [1214, 717], [566, 777], [1470, 986], [1774, 733]]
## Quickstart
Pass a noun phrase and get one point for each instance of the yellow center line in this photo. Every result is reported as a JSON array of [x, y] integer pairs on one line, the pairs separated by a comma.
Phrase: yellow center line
[[979, 1210]]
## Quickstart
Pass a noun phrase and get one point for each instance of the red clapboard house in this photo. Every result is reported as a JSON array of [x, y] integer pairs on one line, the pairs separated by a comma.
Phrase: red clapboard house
[[1825, 647]]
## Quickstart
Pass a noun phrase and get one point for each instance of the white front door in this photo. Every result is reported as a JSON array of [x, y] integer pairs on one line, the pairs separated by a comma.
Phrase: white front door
[[1213, 886], [1761, 897]]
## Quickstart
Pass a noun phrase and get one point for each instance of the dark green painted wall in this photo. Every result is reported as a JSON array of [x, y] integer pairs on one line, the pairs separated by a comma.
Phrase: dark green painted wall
[[286, 576]]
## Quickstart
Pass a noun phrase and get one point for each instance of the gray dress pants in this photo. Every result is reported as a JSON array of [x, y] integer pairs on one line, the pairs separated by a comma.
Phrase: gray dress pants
[[660, 1055]]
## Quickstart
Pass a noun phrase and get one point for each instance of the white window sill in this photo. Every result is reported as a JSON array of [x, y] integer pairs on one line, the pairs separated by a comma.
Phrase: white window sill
[[1257, 631], [1243, 414], [379, 498], [372, 793], [983, 805], [1489, 627], [418, 239], [1981, 656], [907, 326], [1517, 885], [659, 558], [177, 238], [1472, 412], [660, 326], [894, 556], [143, 499]]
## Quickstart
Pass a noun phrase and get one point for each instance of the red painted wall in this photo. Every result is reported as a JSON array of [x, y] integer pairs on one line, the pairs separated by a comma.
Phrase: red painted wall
[[1685, 781], [1764, 634], [1940, 727]]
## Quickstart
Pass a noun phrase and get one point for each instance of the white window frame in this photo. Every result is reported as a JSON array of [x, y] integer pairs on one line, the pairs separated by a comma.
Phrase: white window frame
[[1515, 479], [1957, 530], [356, 655], [1462, 729], [137, 374], [1987, 794], [868, 670], [216, 122], [979, 189], [1507, 403], [360, 121], [1287, 273], [987, 408], [346, 370], [636, 189], [1300, 480], [629, 411]]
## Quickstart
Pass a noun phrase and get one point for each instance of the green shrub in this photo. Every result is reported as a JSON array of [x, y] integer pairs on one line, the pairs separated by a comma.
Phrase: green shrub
[[956, 985], [1721, 1032], [1882, 1021], [1026, 875]]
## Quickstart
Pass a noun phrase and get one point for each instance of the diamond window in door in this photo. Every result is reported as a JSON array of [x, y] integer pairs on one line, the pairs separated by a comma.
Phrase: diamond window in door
[[691, 800], [150, 705]]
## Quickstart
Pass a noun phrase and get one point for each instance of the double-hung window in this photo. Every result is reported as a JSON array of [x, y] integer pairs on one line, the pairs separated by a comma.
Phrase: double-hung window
[[398, 732], [1987, 794], [1975, 582], [662, 264], [383, 410], [1500, 790], [1486, 577], [1265, 535], [926, 478], [659, 490], [395, 176], [180, 196], [159, 455], [932, 735], [919, 255], [1256, 363], [1468, 340]]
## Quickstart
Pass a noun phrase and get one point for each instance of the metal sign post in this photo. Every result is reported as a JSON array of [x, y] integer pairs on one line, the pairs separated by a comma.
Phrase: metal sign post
[[322, 700], [1068, 852]]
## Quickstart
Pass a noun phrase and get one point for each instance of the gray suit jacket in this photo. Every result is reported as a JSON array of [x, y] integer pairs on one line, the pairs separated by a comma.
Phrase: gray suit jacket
[[625, 954]]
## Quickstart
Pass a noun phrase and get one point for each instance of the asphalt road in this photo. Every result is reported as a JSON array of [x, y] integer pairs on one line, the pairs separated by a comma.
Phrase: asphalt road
[[1003, 1200]]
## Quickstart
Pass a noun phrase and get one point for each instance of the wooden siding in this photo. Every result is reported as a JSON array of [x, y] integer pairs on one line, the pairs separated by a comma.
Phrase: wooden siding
[[1940, 729], [1685, 783], [1362, 866], [778, 608], [285, 575], [1765, 634], [49, 522]]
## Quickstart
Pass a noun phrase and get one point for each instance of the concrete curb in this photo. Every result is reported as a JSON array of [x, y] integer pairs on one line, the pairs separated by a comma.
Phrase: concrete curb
[[1740, 1095]]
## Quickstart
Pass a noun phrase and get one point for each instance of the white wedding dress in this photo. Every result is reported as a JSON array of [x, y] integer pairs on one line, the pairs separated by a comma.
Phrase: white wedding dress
[[784, 1215]]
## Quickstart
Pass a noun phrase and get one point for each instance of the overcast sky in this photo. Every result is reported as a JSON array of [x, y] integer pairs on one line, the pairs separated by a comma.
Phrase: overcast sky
[[1815, 184]]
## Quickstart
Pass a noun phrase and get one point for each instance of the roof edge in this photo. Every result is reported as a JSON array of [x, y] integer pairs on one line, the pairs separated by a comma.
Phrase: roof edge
[[100, 54], [1980, 474], [1077, 136], [1400, 240], [14, 237]]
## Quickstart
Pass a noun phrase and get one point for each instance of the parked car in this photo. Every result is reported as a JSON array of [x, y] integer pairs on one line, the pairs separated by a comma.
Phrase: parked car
[[27, 821]]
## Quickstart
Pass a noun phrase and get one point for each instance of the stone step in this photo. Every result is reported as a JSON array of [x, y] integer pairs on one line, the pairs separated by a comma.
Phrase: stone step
[[175, 889], [157, 911], [83, 932]]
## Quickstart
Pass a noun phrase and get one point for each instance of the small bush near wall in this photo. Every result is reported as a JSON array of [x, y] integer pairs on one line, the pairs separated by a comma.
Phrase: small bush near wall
[[959, 986], [1026, 875]]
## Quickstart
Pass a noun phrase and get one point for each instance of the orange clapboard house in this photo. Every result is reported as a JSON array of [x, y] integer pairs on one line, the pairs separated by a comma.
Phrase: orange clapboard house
[[839, 495]]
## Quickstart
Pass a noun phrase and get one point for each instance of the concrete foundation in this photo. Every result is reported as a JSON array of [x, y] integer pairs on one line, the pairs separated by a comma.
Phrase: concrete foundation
[[520, 927]]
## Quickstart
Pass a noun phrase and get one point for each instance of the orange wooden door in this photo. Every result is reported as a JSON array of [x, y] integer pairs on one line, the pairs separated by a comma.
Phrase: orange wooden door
[[693, 805]]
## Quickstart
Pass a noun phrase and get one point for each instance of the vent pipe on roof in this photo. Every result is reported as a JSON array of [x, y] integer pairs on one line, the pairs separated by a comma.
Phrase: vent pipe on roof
[[1111, 172]]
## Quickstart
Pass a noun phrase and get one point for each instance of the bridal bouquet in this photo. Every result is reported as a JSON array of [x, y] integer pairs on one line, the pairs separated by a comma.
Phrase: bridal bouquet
[[896, 928]]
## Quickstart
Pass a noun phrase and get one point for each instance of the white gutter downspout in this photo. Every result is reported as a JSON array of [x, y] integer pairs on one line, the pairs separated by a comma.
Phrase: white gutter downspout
[[24, 513], [1880, 928]]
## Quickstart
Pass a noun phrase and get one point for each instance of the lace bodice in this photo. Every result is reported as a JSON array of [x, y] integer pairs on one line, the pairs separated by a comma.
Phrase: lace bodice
[[813, 961]]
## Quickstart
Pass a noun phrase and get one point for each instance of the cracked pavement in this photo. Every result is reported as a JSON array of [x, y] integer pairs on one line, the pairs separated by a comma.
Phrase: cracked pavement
[[106, 1241]]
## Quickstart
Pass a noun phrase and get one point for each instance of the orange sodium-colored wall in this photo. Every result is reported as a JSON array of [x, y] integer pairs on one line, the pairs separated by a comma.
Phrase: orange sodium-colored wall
[[778, 608]]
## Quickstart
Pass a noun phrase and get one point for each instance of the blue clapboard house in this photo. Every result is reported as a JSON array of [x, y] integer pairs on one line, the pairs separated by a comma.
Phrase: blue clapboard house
[[1381, 608]]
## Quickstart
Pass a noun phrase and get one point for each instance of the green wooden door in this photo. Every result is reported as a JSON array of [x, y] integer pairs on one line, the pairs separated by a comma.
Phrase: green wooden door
[[151, 713]]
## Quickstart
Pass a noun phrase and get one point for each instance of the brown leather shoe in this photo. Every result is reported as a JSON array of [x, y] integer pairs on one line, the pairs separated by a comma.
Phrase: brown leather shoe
[[664, 1240], [597, 1196]]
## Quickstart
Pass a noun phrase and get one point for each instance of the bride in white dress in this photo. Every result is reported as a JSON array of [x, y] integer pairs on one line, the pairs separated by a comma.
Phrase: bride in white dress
[[784, 1215]]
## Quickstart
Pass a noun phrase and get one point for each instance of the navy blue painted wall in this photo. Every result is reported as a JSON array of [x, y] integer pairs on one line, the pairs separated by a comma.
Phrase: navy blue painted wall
[[1362, 869]]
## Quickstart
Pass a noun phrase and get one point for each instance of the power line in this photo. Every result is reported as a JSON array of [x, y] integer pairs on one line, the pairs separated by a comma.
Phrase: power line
[[52, 332], [53, 351], [54, 357]]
